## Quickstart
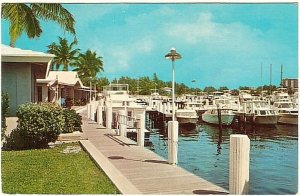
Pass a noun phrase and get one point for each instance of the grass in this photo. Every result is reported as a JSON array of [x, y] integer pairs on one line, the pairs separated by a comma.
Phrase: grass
[[49, 171]]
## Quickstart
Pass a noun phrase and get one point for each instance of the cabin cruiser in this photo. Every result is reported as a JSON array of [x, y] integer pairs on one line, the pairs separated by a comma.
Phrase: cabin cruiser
[[211, 116], [260, 113], [286, 109], [264, 116], [287, 112], [256, 110], [186, 116]]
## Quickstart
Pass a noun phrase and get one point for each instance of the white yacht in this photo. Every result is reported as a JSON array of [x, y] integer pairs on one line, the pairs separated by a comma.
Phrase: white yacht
[[186, 116], [211, 116], [261, 113], [264, 116], [287, 112]]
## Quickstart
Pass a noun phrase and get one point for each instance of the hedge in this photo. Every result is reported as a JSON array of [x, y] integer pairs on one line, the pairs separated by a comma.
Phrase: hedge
[[4, 112], [39, 124]]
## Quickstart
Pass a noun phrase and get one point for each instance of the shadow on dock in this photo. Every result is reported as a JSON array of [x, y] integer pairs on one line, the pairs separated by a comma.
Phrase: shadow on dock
[[148, 161], [209, 192]]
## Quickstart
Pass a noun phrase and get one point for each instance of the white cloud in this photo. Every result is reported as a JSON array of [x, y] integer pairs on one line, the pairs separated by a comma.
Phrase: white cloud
[[223, 37], [120, 57]]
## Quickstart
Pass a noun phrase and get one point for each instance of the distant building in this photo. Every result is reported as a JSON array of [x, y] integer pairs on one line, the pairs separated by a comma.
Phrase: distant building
[[290, 83]]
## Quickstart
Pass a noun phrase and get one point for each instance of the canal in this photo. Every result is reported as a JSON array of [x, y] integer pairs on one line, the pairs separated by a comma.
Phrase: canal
[[273, 155]]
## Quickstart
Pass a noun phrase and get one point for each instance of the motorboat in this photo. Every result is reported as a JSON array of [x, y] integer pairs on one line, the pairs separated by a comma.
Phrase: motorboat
[[287, 112], [264, 116], [186, 116], [211, 116], [262, 113]]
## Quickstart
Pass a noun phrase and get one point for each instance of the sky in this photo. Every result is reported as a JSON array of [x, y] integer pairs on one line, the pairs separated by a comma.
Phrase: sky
[[220, 44]]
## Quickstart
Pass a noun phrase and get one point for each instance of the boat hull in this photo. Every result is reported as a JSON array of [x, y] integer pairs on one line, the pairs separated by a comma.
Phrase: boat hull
[[265, 120], [184, 120], [291, 119], [213, 119]]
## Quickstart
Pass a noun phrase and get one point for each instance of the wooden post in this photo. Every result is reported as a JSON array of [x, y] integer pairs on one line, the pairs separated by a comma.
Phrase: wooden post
[[164, 108], [88, 110], [239, 164], [140, 130], [220, 129], [108, 116], [92, 110], [168, 106], [99, 115], [172, 142], [219, 118], [122, 122]]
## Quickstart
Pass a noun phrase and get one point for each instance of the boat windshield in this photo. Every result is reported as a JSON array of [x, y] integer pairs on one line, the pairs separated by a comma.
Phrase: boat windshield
[[285, 105], [266, 112], [185, 113]]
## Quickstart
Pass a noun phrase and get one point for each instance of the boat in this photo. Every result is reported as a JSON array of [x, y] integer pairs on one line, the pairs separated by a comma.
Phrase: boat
[[186, 116], [264, 116], [211, 116], [261, 113], [287, 112], [286, 109]]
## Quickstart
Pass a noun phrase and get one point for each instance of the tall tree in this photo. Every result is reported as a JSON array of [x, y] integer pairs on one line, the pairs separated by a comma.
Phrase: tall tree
[[64, 53], [25, 18], [88, 64]]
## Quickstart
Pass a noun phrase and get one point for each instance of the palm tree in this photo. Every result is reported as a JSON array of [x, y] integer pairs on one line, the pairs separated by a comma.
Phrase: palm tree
[[25, 18], [64, 53], [88, 65]]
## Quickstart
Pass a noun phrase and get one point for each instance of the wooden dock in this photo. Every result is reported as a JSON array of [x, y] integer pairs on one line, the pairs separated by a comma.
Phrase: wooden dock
[[137, 170]]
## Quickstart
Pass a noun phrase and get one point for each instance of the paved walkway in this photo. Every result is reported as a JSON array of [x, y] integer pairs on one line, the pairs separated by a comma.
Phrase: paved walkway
[[137, 170]]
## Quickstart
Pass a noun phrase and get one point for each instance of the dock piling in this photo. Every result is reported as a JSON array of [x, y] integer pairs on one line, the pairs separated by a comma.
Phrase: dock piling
[[140, 130], [99, 115], [108, 116], [122, 122], [92, 111], [88, 110], [172, 142], [239, 164]]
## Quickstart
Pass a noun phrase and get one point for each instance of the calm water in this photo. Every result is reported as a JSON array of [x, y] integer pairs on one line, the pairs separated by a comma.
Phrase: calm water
[[273, 156]]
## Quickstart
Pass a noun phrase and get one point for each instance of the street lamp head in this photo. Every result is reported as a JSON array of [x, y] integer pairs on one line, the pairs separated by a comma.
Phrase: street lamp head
[[173, 55]]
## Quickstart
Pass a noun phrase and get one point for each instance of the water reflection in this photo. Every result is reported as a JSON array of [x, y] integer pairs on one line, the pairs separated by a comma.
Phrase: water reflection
[[204, 150]]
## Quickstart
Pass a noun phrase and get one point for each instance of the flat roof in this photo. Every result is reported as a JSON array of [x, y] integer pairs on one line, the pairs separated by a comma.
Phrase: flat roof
[[10, 54]]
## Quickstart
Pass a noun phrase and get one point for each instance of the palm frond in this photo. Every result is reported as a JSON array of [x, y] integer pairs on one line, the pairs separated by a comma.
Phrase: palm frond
[[55, 12], [21, 19]]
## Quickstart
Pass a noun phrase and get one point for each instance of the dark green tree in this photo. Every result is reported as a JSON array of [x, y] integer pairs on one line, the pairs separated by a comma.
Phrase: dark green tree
[[65, 54], [88, 64]]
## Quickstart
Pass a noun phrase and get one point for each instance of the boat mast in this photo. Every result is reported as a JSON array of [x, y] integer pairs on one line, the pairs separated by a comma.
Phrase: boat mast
[[281, 71], [270, 79], [261, 92]]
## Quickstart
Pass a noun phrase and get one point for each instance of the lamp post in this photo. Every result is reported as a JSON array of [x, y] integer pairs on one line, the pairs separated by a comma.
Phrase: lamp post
[[173, 55], [173, 126]]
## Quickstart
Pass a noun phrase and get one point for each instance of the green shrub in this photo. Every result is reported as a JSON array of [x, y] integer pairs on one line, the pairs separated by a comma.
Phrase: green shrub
[[38, 124], [72, 121], [4, 112]]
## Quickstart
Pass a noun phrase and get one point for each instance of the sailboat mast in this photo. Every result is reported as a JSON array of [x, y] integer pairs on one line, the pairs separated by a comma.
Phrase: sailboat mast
[[281, 71], [261, 80], [270, 78]]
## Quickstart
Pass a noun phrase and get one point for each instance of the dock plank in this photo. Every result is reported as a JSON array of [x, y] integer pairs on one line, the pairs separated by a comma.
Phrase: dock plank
[[143, 171]]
